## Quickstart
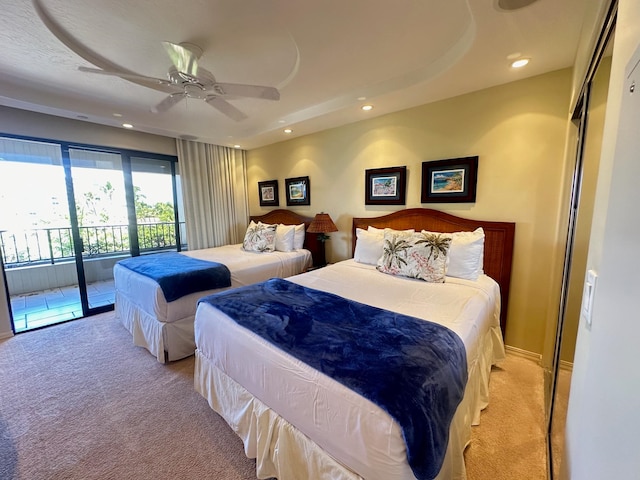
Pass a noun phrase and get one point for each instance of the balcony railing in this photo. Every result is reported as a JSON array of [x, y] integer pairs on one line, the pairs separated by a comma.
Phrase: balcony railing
[[51, 245]]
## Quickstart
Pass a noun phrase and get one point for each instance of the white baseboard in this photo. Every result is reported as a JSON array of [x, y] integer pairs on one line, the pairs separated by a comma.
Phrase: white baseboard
[[4, 335], [536, 357], [564, 365]]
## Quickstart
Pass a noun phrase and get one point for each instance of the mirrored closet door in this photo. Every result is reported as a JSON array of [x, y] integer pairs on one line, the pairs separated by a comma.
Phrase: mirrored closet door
[[589, 116]]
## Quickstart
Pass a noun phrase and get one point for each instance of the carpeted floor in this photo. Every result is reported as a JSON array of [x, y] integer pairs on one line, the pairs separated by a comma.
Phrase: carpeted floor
[[79, 401]]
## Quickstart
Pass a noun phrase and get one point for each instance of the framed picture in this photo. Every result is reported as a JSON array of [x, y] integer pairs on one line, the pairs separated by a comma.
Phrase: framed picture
[[298, 191], [385, 186], [268, 193], [449, 181]]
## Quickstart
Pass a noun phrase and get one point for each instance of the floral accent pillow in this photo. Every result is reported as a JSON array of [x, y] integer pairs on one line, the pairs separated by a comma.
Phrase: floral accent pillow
[[260, 238], [419, 255]]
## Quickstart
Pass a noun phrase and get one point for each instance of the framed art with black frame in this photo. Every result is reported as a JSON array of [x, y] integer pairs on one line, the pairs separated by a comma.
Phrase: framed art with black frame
[[298, 191], [385, 186], [268, 192], [450, 181]]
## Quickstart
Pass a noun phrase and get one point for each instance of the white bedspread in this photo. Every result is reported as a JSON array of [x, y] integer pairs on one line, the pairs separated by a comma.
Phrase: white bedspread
[[246, 268], [161, 326], [341, 424]]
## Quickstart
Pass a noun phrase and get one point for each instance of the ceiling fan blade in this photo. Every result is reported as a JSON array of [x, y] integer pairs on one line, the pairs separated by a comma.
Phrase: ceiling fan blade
[[184, 57], [168, 102], [253, 91], [126, 76], [225, 107]]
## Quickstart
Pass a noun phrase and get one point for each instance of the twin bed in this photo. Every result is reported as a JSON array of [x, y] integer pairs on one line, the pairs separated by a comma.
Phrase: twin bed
[[301, 421], [165, 327]]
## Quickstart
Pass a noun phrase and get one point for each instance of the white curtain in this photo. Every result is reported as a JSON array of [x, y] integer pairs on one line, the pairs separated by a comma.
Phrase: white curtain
[[214, 189]]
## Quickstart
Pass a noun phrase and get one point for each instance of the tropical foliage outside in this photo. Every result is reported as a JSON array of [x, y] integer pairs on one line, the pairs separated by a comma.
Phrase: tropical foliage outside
[[100, 233]]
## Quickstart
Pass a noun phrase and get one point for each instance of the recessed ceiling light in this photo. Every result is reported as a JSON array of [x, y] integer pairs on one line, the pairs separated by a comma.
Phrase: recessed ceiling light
[[117, 115], [360, 99], [236, 146], [288, 130], [82, 117], [520, 63], [366, 108], [127, 125]]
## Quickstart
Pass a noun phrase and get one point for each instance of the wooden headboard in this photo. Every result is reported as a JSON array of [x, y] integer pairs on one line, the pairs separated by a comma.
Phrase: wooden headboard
[[498, 242], [287, 217]]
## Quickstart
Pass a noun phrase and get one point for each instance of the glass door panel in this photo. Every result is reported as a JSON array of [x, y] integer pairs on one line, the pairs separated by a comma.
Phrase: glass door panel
[[103, 221], [36, 239], [68, 214], [156, 205]]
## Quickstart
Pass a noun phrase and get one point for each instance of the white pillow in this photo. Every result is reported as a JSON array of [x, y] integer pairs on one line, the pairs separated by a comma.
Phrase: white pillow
[[382, 231], [284, 237], [298, 237], [259, 237], [368, 247], [419, 255], [466, 255]]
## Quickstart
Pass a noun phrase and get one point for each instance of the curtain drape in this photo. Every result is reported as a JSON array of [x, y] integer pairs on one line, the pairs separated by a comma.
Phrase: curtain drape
[[214, 190]]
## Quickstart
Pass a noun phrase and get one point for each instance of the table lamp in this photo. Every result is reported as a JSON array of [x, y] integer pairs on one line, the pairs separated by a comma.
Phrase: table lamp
[[322, 224]]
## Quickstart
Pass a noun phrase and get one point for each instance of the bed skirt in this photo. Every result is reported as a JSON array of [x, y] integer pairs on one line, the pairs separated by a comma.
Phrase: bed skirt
[[167, 341]]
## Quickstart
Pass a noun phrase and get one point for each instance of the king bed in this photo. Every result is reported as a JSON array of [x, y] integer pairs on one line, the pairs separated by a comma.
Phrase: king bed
[[325, 412], [161, 319]]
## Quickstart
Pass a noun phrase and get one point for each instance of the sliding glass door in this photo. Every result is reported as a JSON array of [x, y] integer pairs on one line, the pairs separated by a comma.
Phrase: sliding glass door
[[36, 238], [156, 189], [102, 219], [68, 213]]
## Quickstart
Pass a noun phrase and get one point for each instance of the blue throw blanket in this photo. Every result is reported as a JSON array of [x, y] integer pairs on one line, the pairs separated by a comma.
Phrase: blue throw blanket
[[413, 369], [179, 275]]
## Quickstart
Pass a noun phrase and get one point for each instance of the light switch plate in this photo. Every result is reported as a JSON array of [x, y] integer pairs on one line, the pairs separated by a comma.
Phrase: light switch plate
[[587, 296]]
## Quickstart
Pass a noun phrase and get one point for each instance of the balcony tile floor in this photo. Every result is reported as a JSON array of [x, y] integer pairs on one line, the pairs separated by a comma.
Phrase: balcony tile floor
[[39, 309]]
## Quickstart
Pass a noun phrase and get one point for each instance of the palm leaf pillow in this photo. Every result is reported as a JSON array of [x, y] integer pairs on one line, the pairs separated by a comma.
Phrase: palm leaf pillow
[[260, 237], [420, 255]]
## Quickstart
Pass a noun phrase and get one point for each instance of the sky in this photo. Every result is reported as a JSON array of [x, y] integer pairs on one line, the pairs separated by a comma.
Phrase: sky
[[32, 193]]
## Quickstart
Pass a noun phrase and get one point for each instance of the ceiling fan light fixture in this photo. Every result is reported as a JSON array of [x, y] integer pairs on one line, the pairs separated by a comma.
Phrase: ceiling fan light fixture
[[186, 80]]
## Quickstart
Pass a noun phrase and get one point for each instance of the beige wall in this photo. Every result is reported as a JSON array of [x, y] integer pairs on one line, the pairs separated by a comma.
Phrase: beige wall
[[518, 131], [32, 124]]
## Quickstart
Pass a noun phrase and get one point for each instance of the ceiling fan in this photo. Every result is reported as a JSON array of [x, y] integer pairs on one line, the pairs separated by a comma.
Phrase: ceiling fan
[[185, 79]]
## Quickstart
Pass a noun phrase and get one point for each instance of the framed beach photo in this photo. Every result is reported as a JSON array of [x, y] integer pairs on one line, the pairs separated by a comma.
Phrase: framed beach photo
[[297, 191], [268, 193], [385, 186], [449, 181]]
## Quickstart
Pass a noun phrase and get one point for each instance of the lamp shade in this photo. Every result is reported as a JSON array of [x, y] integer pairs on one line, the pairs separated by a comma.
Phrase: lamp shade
[[322, 223]]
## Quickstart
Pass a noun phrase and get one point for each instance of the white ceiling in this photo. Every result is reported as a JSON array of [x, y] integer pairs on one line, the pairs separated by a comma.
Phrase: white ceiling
[[326, 57]]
